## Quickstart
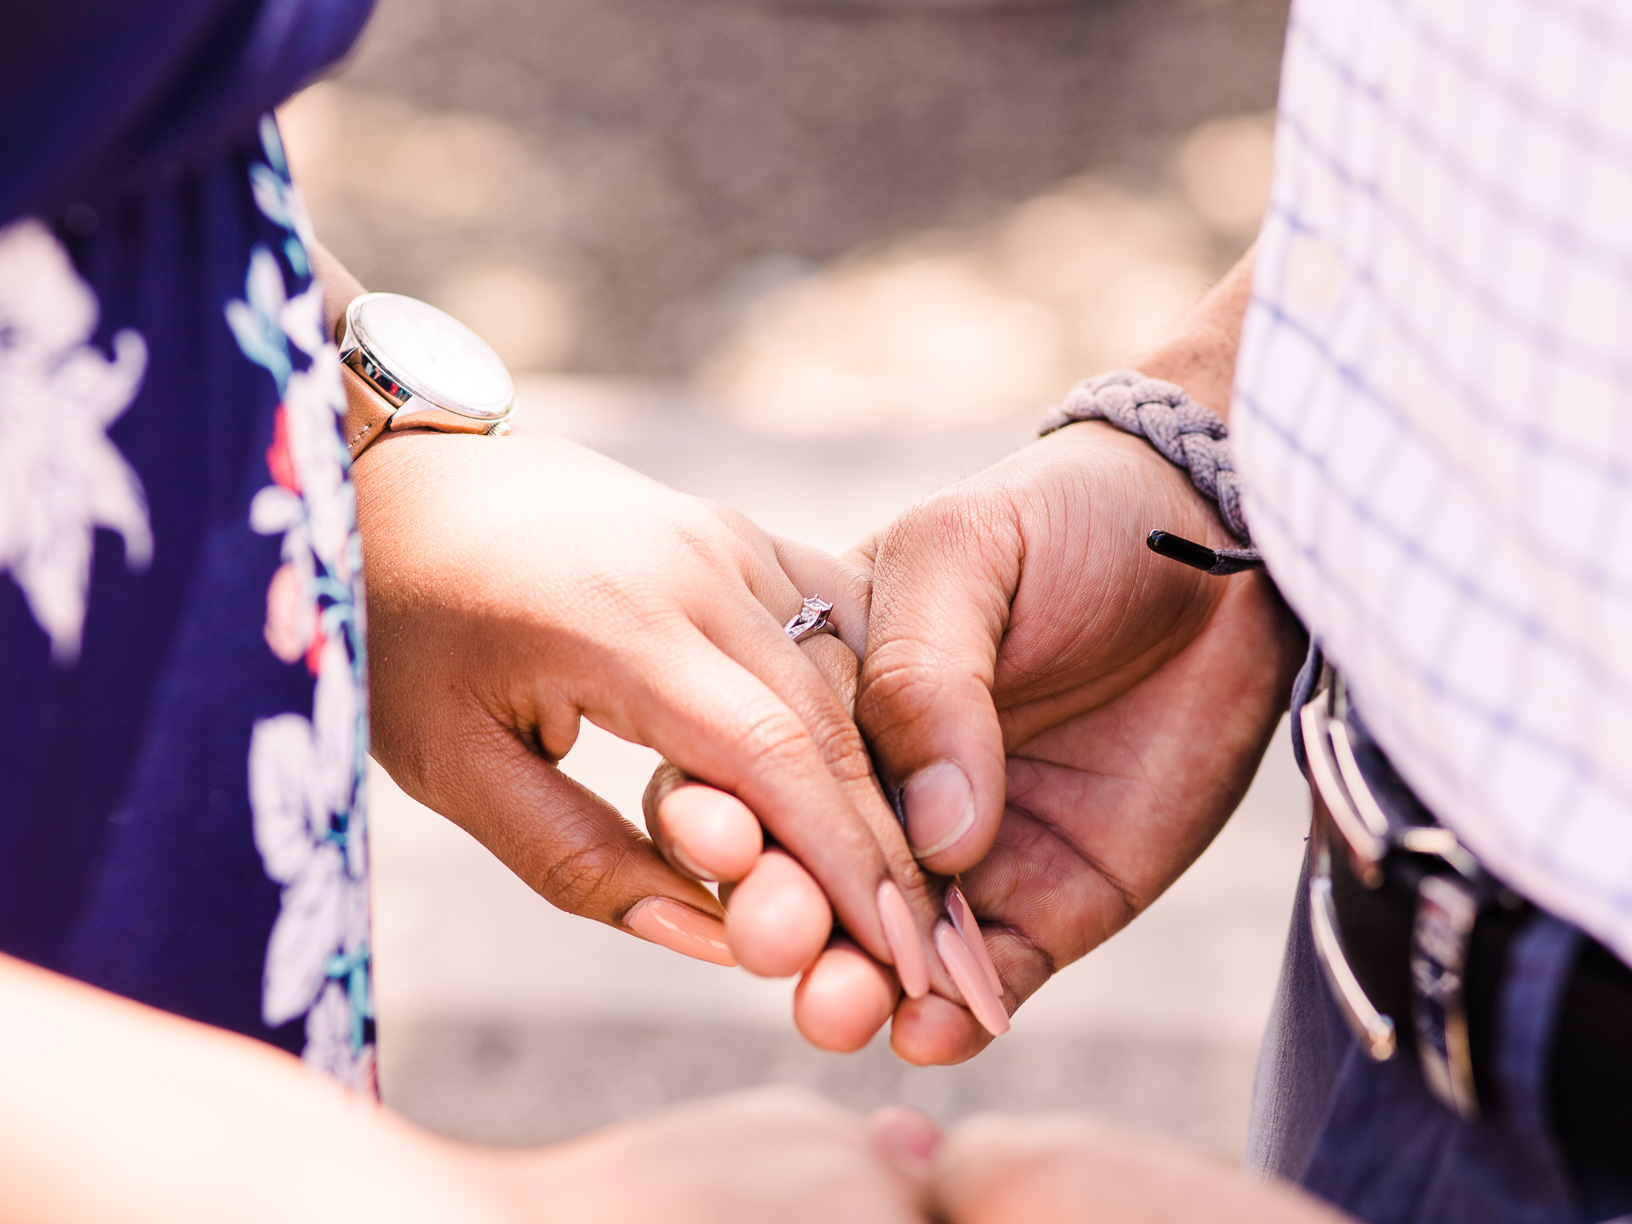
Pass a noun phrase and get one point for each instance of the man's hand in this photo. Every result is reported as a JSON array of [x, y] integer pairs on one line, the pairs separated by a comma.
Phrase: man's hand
[[1065, 1169], [1071, 718], [1068, 718]]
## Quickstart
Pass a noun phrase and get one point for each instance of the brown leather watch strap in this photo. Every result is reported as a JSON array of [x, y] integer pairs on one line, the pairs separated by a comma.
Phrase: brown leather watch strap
[[367, 412]]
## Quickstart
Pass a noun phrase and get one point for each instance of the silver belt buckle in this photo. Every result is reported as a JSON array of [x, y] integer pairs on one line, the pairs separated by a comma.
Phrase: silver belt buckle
[[1348, 814], [1446, 910]]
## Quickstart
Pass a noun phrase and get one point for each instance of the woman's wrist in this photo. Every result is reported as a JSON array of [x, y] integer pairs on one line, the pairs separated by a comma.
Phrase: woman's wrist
[[339, 287]]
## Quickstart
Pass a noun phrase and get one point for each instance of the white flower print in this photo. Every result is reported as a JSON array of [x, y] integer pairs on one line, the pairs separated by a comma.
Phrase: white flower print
[[61, 476], [301, 775], [306, 775], [331, 1045]]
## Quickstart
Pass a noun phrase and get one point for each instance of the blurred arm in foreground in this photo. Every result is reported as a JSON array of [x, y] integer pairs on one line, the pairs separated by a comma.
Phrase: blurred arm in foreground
[[118, 1111], [1070, 1169]]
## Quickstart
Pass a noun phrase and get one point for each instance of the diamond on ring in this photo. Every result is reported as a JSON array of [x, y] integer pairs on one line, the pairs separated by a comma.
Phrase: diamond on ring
[[812, 619]]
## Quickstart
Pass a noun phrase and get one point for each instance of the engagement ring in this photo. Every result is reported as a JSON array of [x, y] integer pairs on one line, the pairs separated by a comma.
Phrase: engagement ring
[[812, 619]]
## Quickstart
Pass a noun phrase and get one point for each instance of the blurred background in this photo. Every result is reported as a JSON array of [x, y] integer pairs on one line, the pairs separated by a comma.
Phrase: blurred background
[[813, 258]]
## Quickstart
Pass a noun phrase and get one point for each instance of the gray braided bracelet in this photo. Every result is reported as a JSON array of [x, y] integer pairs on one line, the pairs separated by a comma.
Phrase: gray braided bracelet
[[1187, 435]]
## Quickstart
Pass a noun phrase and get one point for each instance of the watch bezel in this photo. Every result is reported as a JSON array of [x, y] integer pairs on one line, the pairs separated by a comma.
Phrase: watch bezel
[[360, 350]]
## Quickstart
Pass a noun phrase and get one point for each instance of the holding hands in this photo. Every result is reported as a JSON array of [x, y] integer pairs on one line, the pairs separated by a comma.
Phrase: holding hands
[[1061, 716], [1066, 718]]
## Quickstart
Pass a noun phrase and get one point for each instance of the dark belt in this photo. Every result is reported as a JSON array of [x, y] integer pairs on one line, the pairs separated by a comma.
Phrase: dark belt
[[1413, 935]]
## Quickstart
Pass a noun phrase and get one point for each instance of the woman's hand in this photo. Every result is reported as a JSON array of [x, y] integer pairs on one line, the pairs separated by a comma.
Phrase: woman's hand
[[516, 584]]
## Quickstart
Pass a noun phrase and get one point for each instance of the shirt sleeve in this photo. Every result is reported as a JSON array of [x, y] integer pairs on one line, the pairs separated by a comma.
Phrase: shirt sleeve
[[100, 95]]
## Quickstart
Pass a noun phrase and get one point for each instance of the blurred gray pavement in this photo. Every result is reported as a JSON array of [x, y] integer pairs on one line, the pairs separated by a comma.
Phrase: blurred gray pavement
[[505, 1020], [658, 163]]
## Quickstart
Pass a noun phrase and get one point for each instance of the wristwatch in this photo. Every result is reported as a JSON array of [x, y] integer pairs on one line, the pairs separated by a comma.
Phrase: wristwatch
[[408, 365]]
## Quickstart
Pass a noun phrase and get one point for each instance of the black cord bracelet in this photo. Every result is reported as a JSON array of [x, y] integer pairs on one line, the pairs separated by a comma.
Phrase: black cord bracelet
[[1188, 436]]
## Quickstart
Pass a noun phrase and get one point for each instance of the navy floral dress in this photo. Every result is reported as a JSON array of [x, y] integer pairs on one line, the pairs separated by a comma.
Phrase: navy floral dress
[[183, 711]]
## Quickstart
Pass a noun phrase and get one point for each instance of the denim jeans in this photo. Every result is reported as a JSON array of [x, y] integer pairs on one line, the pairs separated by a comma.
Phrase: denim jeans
[[1372, 1140]]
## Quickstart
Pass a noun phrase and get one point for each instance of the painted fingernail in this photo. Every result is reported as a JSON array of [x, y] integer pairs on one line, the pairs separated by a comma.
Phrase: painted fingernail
[[682, 860], [970, 981], [963, 918], [901, 933], [677, 926], [940, 807]]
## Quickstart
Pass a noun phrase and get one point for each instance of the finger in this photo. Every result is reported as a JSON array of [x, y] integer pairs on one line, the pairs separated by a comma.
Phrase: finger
[[719, 723], [908, 1138], [777, 917], [946, 572], [936, 1032], [703, 831], [902, 907], [847, 587], [572, 847], [1041, 904], [837, 664], [1093, 832], [844, 998]]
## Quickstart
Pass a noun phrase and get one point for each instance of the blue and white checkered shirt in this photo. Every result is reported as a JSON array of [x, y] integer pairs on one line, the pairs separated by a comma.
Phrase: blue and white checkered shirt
[[1433, 412]]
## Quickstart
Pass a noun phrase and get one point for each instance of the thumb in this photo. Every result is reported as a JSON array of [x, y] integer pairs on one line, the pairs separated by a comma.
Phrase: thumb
[[945, 574], [908, 1139]]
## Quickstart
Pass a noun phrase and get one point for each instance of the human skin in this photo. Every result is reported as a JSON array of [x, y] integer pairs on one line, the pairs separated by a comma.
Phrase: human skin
[[1108, 706], [115, 1111], [1102, 709], [660, 617], [517, 584], [1070, 1169]]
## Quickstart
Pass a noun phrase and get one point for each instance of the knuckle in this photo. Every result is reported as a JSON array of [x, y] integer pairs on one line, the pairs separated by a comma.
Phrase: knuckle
[[584, 880], [899, 685], [933, 521], [842, 747], [775, 737]]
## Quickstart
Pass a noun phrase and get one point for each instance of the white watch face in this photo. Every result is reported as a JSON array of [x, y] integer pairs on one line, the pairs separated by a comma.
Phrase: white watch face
[[432, 354]]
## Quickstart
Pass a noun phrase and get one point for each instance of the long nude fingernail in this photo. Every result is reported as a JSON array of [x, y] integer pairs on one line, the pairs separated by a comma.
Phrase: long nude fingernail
[[963, 918], [677, 926], [682, 860], [901, 933], [939, 805], [971, 982]]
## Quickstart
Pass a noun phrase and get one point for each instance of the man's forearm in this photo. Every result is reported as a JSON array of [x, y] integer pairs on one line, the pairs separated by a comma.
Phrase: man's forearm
[[1200, 354]]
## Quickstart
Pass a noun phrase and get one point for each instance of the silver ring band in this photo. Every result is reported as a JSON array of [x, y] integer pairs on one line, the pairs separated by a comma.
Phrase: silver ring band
[[811, 620]]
